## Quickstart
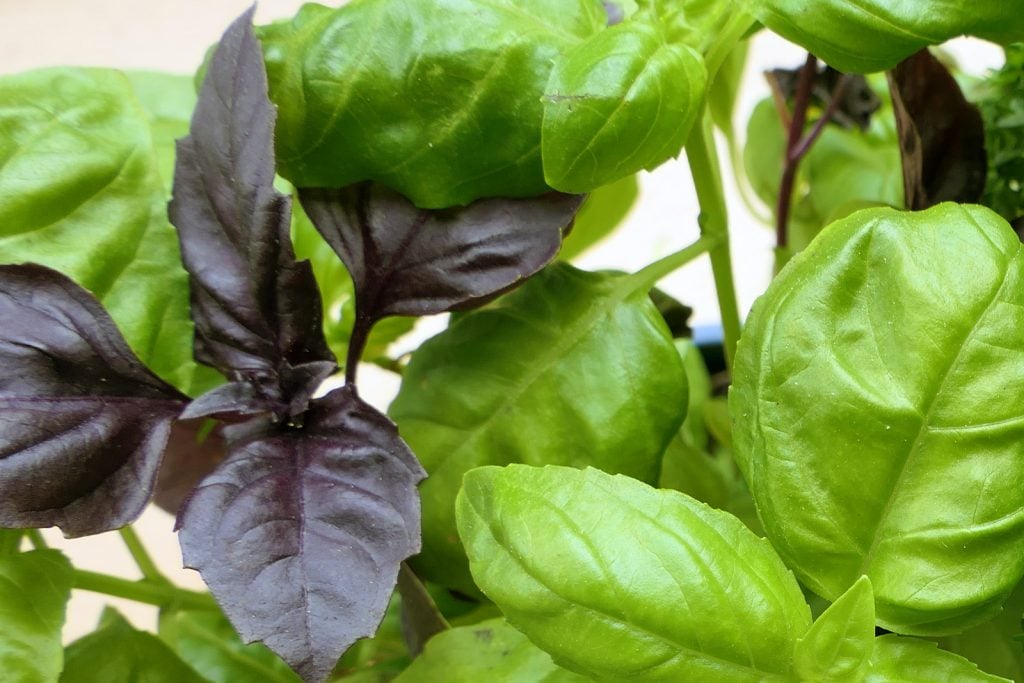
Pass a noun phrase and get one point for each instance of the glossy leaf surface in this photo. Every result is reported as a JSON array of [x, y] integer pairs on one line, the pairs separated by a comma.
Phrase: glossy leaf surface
[[257, 310], [34, 589], [942, 137], [412, 262], [83, 422], [208, 642], [693, 595], [119, 652], [902, 660], [465, 63], [867, 454], [489, 651], [623, 79], [864, 36], [573, 368], [81, 192], [839, 645], [299, 533]]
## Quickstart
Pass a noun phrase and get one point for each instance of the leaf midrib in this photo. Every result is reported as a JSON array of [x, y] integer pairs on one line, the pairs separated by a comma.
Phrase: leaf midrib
[[915, 449]]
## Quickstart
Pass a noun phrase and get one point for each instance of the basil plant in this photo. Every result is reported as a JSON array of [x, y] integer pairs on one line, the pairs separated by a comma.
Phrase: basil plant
[[568, 485]]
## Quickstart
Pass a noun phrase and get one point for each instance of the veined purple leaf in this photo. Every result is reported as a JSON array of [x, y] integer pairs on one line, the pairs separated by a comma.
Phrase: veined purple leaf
[[257, 311], [300, 532], [410, 261], [83, 423]]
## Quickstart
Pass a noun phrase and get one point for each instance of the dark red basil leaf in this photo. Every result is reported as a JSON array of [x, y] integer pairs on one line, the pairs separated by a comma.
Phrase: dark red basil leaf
[[194, 450], [300, 532], [257, 311], [942, 136], [409, 261], [83, 422]]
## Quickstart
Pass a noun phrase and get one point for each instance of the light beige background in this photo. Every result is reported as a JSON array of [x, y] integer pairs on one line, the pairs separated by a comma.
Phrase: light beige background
[[172, 35]]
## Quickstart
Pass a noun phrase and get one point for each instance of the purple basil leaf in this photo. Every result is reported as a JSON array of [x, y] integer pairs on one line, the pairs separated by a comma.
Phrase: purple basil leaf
[[942, 136], [300, 532], [410, 261], [83, 423], [257, 311], [194, 450]]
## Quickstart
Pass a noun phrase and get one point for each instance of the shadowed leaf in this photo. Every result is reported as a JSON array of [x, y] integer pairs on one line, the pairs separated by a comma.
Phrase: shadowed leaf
[[942, 137]]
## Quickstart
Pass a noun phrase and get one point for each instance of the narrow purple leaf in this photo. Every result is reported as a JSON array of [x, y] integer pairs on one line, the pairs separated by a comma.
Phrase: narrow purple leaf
[[257, 311], [194, 450], [83, 423], [300, 532]]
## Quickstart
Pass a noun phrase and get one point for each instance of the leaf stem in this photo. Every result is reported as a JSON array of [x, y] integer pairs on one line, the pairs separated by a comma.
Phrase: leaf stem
[[798, 145], [35, 537], [725, 40], [142, 558], [161, 594], [649, 275], [714, 224]]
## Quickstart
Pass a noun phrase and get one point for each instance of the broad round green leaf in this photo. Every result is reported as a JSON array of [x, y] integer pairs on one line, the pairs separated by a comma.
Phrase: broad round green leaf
[[489, 651], [622, 80], [81, 192], [875, 419], [621, 581], [208, 642], [864, 36], [344, 81], [34, 590], [574, 368], [908, 660], [118, 652], [839, 645]]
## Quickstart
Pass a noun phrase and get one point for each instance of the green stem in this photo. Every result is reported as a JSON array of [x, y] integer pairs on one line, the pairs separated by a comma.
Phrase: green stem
[[161, 594], [725, 40], [714, 223], [36, 539], [142, 559], [648, 276]]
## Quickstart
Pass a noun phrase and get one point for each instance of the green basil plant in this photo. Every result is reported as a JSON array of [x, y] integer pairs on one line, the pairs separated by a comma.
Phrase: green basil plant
[[569, 484]]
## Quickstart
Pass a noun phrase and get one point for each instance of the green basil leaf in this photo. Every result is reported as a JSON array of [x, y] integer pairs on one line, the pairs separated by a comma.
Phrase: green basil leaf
[[722, 93], [874, 35], [208, 642], [168, 100], [692, 596], [34, 590], [574, 368], [489, 651], [625, 79], [603, 211], [118, 652], [840, 643], [80, 192], [908, 660], [476, 71], [871, 419], [995, 645]]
